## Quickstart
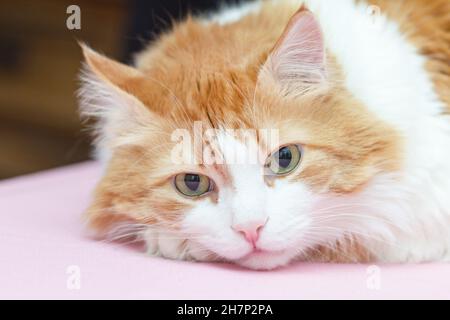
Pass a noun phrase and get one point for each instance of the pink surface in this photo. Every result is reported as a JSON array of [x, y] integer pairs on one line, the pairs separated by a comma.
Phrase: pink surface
[[41, 236]]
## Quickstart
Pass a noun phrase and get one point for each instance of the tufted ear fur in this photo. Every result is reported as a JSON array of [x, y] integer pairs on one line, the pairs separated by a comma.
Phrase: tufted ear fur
[[297, 62], [118, 97]]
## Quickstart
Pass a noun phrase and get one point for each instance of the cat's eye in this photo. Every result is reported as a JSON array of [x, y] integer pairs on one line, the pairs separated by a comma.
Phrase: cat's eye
[[285, 160], [192, 184]]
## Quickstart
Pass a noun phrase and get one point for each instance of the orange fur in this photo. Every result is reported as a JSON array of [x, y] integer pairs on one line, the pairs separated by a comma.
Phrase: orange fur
[[348, 250], [209, 73]]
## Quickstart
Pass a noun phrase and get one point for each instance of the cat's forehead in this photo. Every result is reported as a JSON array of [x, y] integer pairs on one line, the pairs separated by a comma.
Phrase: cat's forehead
[[239, 157], [219, 98]]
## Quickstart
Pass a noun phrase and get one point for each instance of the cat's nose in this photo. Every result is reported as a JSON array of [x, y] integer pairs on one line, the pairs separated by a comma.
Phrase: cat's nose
[[250, 230]]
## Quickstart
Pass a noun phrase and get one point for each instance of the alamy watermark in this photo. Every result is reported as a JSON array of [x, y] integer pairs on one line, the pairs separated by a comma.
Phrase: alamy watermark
[[211, 146], [73, 281], [73, 21], [373, 281]]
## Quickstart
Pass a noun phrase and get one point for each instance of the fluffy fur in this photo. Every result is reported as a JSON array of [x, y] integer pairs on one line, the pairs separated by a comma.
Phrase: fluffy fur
[[365, 96]]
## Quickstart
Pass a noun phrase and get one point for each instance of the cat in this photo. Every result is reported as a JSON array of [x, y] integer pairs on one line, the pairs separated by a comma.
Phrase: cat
[[358, 169]]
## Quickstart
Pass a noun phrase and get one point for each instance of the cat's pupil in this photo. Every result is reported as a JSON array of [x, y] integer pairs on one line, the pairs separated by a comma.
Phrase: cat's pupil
[[284, 157], [192, 181]]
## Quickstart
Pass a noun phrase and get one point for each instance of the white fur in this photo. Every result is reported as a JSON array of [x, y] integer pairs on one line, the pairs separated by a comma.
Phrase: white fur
[[388, 75], [248, 198], [400, 217], [230, 14]]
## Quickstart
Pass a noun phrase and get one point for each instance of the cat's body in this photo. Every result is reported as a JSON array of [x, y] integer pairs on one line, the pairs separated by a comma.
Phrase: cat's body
[[366, 96]]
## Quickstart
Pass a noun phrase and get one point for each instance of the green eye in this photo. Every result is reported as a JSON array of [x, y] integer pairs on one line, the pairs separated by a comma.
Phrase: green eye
[[192, 184], [284, 160]]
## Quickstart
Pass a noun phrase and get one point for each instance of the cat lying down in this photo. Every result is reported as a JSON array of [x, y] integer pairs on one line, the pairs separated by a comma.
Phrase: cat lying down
[[278, 131]]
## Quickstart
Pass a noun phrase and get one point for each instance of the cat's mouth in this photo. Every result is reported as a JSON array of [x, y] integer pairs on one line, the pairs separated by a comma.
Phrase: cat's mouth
[[260, 259], [262, 253]]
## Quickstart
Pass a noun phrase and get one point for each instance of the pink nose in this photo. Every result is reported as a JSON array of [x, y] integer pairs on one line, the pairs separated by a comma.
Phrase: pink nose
[[250, 230]]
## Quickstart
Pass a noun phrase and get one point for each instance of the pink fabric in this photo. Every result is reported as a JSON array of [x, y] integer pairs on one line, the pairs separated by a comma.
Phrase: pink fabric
[[41, 235]]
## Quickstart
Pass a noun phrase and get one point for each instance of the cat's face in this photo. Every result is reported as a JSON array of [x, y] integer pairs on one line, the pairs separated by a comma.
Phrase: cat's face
[[269, 150], [255, 214]]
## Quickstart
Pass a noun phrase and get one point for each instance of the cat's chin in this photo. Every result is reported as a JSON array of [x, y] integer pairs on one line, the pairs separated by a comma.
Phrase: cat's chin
[[256, 259], [266, 260]]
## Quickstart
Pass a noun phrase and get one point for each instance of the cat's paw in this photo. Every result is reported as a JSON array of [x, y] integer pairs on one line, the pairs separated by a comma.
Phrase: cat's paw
[[165, 245]]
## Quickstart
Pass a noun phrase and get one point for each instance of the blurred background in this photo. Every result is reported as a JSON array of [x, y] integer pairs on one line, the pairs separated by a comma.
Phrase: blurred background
[[39, 64]]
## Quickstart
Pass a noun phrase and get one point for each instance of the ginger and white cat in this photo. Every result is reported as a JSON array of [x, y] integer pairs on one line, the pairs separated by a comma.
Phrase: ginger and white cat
[[358, 94]]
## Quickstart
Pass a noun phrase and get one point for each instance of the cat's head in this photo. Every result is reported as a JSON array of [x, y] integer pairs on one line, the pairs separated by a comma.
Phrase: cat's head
[[231, 145]]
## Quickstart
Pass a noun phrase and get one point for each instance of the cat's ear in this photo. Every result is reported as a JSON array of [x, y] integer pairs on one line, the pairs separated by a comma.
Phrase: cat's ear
[[117, 95], [297, 62], [123, 77]]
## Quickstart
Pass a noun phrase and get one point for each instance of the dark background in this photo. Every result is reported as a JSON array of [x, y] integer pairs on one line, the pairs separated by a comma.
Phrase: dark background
[[39, 65]]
